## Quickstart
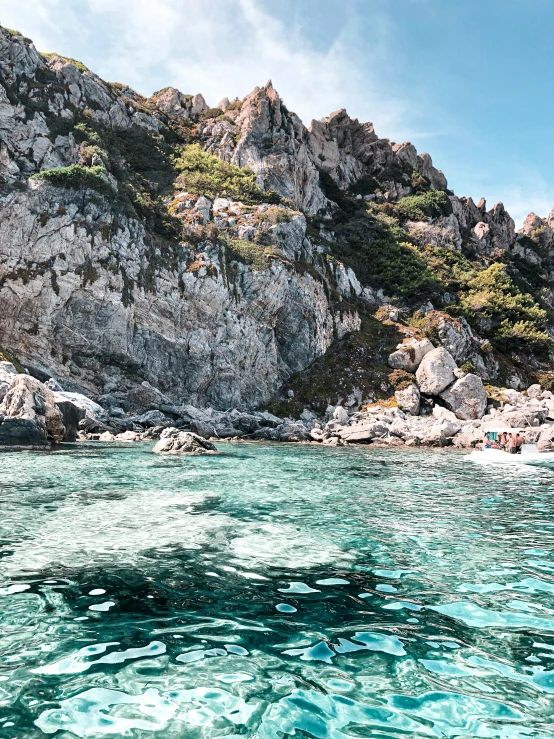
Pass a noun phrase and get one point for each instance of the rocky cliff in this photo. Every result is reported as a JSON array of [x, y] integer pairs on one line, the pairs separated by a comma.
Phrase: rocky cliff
[[229, 256]]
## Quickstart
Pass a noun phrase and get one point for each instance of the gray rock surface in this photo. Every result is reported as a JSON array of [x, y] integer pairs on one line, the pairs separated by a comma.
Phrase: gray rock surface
[[409, 399], [29, 414], [436, 371], [72, 414], [467, 397], [545, 441], [409, 355]]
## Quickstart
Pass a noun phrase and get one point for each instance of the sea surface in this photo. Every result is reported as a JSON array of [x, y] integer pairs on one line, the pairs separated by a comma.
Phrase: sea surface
[[274, 591]]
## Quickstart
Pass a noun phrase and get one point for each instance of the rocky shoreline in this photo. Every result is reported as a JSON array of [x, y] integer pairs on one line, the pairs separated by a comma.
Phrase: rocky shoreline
[[436, 405]]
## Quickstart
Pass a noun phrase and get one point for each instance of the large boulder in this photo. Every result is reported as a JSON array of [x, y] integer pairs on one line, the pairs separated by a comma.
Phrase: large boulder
[[545, 442], [441, 432], [91, 409], [409, 399], [175, 441], [151, 419], [72, 414], [526, 416], [436, 371], [29, 414], [467, 398], [340, 415], [408, 356]]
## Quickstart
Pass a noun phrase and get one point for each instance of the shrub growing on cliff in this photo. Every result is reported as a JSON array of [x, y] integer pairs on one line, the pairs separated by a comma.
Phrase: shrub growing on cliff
[[202, 173], [256, 255], [76, 177], [513, 317], [431, 204], [377, 250]]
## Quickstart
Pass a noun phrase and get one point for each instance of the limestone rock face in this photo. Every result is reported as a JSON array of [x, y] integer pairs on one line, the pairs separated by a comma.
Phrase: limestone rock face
[[175, 441], [30, 415], [409, 399], [408, 356], [467, 397], [195, 325], [436, 371]]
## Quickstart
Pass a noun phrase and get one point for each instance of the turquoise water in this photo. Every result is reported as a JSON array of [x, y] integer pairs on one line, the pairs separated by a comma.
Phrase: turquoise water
[[274, 591]]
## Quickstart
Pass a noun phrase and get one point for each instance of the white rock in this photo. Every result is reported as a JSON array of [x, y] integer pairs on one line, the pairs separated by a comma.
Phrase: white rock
[[107, 436], [203, 206], [340, 415], [126, 436], [534, 391], [443, 413], [408, 356], [92, 409], [409, 399], [436, 371], [467, 397], [7, 371]]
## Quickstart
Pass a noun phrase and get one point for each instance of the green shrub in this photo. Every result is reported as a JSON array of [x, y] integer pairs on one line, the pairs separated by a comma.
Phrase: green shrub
[[76, 177], [377, 250], [212, 113], [432, 204], [515, 318], [256, 255], [546, 380], [449, 266], [419, 182], [235, 105], [400, 379], [6, 356], [276, 215], [202, 173], [468, 368]]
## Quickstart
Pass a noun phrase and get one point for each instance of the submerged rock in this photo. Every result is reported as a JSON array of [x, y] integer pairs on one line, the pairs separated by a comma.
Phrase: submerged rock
[[175, 441]]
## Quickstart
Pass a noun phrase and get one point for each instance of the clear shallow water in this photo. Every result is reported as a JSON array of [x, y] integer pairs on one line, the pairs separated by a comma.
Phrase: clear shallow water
[[274, 591]]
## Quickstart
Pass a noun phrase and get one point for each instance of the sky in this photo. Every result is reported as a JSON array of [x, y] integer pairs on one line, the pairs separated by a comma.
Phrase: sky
[[468, 81]]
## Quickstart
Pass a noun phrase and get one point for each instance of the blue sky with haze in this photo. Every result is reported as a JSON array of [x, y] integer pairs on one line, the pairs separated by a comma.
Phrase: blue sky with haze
[[469, 81]]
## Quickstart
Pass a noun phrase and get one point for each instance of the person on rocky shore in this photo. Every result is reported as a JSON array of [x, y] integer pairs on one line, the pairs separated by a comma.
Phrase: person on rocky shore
[[518, 442], [512, 444]]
